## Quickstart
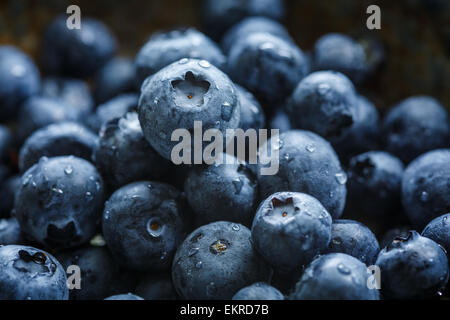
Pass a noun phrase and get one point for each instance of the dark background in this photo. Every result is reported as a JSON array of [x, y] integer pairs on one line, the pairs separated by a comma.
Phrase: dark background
[[415, 33]]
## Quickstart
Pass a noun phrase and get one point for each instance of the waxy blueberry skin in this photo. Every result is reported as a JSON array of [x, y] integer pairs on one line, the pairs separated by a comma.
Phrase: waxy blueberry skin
[[183, 92], [258, 291], [439, 231], [31, 274], [215, 261]]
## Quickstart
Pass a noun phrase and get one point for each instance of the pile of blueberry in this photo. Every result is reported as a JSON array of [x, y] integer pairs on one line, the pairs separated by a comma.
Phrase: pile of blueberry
[[87, 182]]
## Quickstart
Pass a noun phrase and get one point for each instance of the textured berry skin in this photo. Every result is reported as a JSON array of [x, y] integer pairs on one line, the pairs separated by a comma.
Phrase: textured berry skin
[[31, 274], [218, 16], [374, 185], [308, 164], [323, 102], [77, 52], [426, 187], [335, 276], [339, 52], [10, 232], [252, 25], [59, 201], [412, 267], [215, 261], [19, 80], [117, 76], [258, 291], [111, 109], [268, 66], [354, 239], [252, 115], [156, 286], [124, 156], [363, 135], [143, 225], [231, 193], [290, 229], [183, 92], [71, 91], [438, 230], [414, 126], [164, 48], [64, 138], [127, 296]]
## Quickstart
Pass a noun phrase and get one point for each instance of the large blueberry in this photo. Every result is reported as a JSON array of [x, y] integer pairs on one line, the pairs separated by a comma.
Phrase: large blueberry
[[258, 291], [59, 139], [19, 79], [31, 274], [59, 201], [335, 276], [164, 48], [355, 239], [76, 52], [215, 261], [222, 192], [308, 164], [290, 229], [374, 185], [414, 126], [439, 231], [323, 102], [426, 187], [117, 76], [186, 91], [401, 231], [124, 156], [412, 267], [143, 225], [339, 52], [268, 66], [219, 16], [124, 296], [252, 115]]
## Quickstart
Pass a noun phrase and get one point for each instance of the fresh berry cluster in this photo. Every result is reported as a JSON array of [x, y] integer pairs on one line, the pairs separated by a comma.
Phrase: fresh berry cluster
[[88, 184]]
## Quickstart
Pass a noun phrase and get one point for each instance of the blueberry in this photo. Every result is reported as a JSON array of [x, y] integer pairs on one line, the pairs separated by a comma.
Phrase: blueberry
[[362, 135], [143, 225], [426, 187], [59, 201], [156, 286], [280, 120], [252, 115], [339, 52], [218, 16], [268, 66], [164, 48], [10, 232], [127, 296], [335, 276], [64, 138], [258, 291], [290, 229], [98, 272], [6, 143], [222, 192], [374, 185], [124, 156], [215, 261], [397, 232], [117, 76], [73, 92], [19, 80], [8, 188], [77, 52], [31, 274], [355, 239], [252, 25], [186, 91], [308, 164], [38, 112], [414, 126], [323, 102], [113, 108], [438, 230], [412, 267]]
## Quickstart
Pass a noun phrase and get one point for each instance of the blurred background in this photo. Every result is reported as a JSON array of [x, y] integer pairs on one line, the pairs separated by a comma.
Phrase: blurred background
[[415, 34]]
